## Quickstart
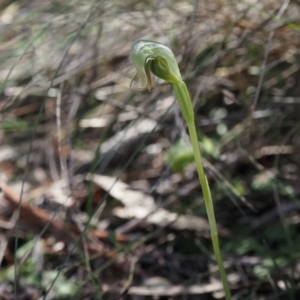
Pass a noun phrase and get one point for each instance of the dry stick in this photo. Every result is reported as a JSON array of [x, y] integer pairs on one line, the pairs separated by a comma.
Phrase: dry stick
[[266, 55], [149, 56], [36, 219]]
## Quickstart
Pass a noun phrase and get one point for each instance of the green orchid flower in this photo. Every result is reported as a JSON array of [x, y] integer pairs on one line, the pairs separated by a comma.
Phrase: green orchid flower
[[155, 57], [149, 56]]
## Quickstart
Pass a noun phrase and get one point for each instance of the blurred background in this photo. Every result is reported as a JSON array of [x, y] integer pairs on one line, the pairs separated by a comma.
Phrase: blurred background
[[99, 193]]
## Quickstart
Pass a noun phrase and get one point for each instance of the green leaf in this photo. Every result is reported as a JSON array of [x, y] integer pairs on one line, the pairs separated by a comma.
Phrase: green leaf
[[179, 156]]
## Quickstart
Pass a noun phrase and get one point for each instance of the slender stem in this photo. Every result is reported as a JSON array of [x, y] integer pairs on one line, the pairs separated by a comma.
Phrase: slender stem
[[185, 104], [209, 207]]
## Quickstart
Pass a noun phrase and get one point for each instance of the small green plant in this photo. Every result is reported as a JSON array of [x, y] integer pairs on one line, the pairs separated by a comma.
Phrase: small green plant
[[149, 56], [179, 156]]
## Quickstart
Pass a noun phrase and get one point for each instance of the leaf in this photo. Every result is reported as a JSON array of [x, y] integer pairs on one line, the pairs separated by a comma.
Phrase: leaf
[[179, 156]]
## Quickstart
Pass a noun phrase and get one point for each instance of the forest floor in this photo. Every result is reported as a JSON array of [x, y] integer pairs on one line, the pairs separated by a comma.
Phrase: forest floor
[[100, 197]]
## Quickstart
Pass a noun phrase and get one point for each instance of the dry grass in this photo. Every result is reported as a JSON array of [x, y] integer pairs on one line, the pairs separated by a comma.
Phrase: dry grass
[[137, 229]]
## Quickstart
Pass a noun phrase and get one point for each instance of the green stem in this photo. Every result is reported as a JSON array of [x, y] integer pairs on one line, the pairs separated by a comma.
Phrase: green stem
[[186, 107]]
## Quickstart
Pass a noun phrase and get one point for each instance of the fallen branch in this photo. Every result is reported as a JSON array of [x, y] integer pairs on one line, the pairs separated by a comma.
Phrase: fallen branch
[[36, 219]]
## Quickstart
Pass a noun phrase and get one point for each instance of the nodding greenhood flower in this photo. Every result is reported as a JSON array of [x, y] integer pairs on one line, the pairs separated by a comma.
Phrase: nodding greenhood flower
[[152, 56]]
